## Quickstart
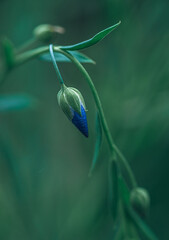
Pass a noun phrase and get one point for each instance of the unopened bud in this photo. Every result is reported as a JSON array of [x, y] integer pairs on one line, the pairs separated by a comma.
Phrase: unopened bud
[[140, 201], [46, 32], [72, 103]]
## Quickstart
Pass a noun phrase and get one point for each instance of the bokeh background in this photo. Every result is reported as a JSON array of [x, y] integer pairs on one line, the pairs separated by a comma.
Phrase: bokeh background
[[45, 192]]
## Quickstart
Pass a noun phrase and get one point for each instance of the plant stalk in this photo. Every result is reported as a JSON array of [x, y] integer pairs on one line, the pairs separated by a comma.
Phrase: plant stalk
[[24, 57], [112, 146]]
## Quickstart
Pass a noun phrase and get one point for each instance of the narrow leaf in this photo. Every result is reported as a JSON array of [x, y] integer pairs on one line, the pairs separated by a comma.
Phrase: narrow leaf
[[98, 37], [15, 102], [97, 144], [61, 58]]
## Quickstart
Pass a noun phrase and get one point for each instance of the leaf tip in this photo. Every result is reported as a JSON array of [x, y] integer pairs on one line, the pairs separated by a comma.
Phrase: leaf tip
[[117, 24]]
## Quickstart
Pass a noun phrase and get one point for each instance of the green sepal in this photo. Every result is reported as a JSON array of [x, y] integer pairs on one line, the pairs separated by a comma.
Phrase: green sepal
[[81, 98], [73, 100], [98, 37], [64, 104], [70, 99]]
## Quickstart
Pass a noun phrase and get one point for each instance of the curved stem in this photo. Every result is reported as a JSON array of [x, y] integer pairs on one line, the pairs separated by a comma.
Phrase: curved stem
[[55, 64], [24, 57], [27, 45], [112, 145]]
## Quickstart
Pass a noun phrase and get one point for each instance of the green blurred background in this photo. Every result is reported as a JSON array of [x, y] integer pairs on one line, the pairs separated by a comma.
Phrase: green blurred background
[[45, 192]]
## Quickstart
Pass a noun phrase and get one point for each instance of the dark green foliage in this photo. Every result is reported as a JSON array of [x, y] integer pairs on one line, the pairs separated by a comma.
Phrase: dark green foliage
[[131, 77]]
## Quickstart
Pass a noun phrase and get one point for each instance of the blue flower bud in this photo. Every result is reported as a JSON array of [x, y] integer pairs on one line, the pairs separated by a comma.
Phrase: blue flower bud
[[72, 103]]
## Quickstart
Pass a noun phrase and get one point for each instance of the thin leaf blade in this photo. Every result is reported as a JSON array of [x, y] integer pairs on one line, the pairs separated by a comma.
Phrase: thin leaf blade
[[97, 143], [95, 39], [61, 58]]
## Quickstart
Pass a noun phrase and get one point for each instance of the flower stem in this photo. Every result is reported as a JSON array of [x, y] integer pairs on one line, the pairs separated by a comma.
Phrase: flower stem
[[26, 46], [24, 57], [55, 64], [112, 145]]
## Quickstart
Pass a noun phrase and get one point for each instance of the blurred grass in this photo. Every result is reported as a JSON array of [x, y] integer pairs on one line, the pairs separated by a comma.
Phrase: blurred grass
[[47, 157]]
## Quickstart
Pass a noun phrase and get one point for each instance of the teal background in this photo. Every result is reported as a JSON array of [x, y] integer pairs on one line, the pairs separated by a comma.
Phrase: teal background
[[45, 192]]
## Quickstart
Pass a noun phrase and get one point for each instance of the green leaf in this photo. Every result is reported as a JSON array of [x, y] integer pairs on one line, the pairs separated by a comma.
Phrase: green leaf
[[16, 102], [97, 144], [98, 37], [61, 58]]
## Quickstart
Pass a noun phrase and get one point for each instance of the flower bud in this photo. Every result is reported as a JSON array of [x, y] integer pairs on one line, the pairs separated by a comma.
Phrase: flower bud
[[72, 103], [46, 32], [140, 201]]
